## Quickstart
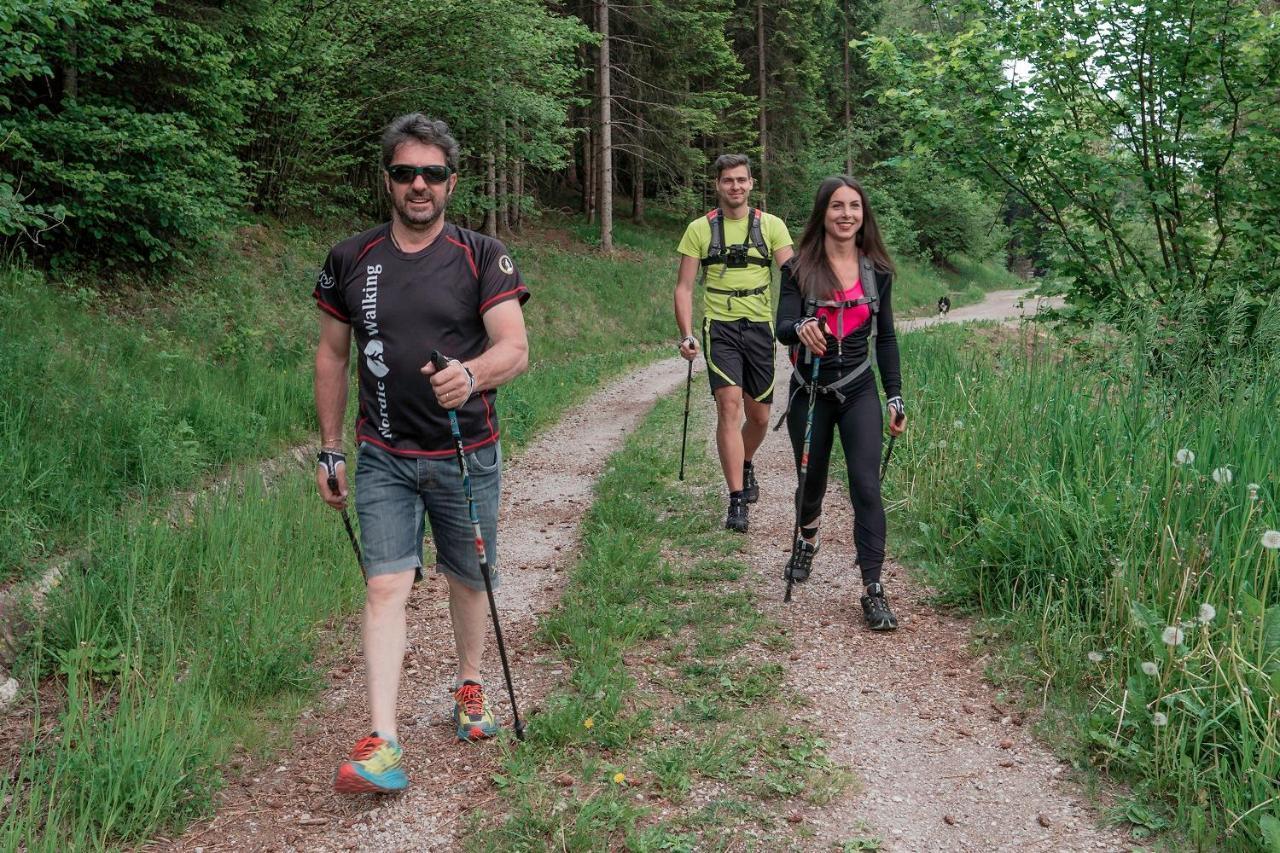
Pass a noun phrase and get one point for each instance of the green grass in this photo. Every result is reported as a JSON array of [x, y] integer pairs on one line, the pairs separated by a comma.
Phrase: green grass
[[170, 641], [667, 684], [1043, 490]]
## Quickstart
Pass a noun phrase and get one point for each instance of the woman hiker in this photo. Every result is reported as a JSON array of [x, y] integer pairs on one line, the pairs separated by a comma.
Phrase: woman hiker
[[835, 305]]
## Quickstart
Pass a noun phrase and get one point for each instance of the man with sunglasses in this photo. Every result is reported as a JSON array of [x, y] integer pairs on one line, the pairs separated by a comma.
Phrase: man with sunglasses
[[406, 288]]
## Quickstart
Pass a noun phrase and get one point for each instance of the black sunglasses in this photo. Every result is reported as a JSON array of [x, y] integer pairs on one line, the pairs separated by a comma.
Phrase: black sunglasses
[[431, 174]]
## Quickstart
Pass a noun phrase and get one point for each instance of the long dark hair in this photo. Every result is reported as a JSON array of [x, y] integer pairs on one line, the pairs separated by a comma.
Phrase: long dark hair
[[814, 274]]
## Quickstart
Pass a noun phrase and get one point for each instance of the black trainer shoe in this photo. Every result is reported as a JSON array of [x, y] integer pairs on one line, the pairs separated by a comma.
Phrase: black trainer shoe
[[875, 609], [737, 518], [801, 562], [750, 488]]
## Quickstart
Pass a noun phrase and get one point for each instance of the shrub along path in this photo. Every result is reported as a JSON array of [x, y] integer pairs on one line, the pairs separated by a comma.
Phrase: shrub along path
[[943, 764]]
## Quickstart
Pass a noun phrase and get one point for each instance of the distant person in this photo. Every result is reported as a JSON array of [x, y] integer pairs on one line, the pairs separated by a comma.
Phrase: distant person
[[944, 305], [736, 246], [842, 274], [405, 288]]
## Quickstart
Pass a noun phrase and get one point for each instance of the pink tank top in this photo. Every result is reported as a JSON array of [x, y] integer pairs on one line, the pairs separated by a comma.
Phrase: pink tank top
[[842, 321]]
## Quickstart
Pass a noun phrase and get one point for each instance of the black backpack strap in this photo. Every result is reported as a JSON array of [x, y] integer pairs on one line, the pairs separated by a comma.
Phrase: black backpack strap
[[715, 250], [756, 234], [870, 287]]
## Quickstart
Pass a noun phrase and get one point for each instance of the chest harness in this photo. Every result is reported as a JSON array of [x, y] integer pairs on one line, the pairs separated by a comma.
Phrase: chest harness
[[800, 354], [736, 257]]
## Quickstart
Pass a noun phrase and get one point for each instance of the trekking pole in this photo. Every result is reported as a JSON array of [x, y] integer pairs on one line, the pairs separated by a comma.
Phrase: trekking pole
[[441, 363], [888, 454], [346, 521], [684, 438], [804, 463]]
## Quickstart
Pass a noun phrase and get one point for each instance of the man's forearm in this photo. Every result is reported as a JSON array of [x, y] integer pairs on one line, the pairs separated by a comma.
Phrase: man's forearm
[[498, 365], [331, 397], [684, 309]]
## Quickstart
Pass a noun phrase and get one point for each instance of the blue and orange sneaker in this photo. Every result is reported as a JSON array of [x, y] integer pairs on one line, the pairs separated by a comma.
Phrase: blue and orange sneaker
[[472, 712], [374, 768]]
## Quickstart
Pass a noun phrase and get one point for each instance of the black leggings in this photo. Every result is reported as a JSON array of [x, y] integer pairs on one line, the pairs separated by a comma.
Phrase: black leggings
[[861, 423]]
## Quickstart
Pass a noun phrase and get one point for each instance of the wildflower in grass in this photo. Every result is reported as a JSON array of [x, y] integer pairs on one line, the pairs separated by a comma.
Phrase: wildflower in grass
[[588, 722], [1207, 612], [942, 444], [1150, 668], [1271, 540], [1253, 491], [1095, 657], [1172, 636], [1159, 719], [958, 424], [1222, 476], [619, 778], [1184, 457]]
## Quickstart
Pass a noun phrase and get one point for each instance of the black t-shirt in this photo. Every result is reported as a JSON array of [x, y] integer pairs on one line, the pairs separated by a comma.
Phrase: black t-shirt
[[402, 307]]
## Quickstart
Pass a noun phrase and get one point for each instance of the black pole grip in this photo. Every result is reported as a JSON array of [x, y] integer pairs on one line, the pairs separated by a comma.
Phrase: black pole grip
[[438, 360]]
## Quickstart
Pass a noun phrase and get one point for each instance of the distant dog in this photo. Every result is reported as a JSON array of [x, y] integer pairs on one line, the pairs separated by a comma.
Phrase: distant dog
[[944, 305]]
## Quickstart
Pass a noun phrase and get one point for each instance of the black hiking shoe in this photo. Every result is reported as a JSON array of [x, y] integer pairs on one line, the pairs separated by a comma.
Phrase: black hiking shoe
[[801, 562], [737, 518], [750, 488], [875, 609]]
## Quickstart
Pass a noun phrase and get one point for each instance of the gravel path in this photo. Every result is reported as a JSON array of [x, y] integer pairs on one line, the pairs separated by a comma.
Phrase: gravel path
[[943, 766]]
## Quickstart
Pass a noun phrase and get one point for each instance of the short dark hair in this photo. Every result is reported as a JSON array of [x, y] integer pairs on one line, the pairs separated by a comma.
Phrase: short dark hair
[[731, 161], [419, 128]]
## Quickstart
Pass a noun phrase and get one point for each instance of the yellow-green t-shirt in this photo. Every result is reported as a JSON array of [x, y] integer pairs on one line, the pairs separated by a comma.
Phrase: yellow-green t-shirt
[[718, 306]]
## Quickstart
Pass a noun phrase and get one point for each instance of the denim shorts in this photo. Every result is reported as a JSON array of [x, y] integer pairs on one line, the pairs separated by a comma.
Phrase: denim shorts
[[397, 495]]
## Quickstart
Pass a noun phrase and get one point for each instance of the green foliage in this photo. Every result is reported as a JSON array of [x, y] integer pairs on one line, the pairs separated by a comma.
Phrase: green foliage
[[1051, 496], [1157, 176]]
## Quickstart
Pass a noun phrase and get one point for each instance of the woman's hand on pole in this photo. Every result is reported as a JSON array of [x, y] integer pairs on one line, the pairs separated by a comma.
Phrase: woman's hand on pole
[[897, 416], [811, 335]]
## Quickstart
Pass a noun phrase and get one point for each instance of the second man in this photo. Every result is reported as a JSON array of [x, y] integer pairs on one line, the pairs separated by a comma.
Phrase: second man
[[735, 246]]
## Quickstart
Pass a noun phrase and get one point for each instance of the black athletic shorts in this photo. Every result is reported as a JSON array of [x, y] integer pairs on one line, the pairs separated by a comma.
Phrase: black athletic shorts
[[740, 352]]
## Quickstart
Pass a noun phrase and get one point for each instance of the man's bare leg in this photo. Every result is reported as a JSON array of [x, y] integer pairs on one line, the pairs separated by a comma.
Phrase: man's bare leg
[[384, 638], [729, 434]]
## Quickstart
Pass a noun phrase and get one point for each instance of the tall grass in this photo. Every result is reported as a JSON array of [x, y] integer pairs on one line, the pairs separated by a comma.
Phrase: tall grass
[[1059, 495]]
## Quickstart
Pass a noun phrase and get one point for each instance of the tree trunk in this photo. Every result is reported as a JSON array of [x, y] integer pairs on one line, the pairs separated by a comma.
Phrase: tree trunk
[[501, 198], [491, 192], [637, 187], [517, 195], [606, 131], [70, 73], [589, 171], [848, 123], [764, 130]]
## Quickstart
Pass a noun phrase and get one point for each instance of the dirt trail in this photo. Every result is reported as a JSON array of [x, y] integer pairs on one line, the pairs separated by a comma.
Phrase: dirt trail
[[289, 806], [943, 766], [999, 305]]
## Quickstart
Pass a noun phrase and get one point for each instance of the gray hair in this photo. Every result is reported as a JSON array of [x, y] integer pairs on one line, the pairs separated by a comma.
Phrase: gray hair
[[415, 127], [731, 161]]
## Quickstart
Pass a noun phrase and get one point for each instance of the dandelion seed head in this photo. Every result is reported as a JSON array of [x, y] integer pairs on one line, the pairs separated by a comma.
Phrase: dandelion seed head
[[1150, 668], [1172, 636], [1095, 657], [1222, 476], [1207, 613], [1159, 719], [1253, 491], [942, 444], [958, 424], [1184, 457], [1271, 540]]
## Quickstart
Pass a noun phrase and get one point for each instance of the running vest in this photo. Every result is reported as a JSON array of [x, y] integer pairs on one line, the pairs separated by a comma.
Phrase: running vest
[[800, 353]]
